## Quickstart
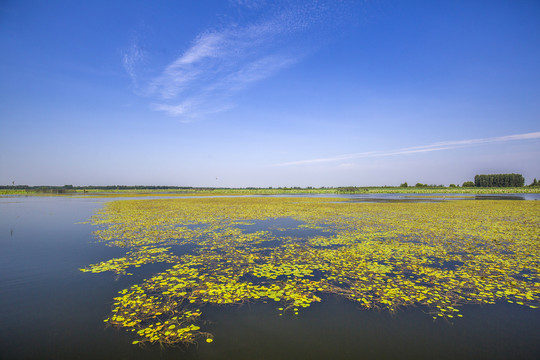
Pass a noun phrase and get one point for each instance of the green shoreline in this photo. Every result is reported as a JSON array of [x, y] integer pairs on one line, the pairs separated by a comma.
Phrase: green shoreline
[[270, 191]]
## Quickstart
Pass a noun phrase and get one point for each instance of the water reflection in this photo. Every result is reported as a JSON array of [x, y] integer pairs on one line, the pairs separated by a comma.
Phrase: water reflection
[[498, 197]]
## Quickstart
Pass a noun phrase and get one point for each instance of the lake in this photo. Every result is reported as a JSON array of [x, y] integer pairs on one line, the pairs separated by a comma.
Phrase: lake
[[50, 309]]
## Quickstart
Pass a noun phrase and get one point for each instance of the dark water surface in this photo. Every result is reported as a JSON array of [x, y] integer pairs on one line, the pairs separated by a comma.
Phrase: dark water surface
[[51, 310]]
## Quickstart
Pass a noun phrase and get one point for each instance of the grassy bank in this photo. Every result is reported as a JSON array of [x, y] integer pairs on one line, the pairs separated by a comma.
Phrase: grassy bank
[[276, 191]]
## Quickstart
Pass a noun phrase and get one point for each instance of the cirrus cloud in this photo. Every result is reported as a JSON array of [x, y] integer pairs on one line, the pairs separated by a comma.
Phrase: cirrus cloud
[[219, 63], [438, 146]]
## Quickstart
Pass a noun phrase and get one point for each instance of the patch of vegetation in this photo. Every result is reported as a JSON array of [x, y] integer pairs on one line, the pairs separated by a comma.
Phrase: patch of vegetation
[[123, 191], [381, 256]]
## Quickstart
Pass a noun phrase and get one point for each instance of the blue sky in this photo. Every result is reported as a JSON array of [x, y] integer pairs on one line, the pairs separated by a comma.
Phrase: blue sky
[[268, 93]]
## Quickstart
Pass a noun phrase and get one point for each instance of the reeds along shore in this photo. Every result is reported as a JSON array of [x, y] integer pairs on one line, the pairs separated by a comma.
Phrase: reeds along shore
[[272, 191]]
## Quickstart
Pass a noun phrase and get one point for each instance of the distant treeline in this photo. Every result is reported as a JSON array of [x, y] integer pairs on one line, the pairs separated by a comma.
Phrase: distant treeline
[[499, 180], [107, 187], [420, 185], [492, 180]]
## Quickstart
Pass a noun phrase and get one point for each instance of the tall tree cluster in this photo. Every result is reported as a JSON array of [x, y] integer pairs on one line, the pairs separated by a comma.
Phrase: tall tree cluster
[[499, 180]]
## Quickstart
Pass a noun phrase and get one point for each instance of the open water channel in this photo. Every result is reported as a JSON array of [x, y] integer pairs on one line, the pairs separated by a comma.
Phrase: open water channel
[[51, 310]]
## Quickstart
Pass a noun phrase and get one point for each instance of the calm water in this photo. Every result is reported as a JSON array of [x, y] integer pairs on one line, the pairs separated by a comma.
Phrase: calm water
[[50, 310]]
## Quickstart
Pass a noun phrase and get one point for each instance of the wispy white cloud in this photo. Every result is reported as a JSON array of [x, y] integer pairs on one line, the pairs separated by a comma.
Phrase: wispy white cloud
[[218, 65], [257, 70], [132, 58], [250, 4], [189, 110], [438, 146], [191, 66], [221, 62]]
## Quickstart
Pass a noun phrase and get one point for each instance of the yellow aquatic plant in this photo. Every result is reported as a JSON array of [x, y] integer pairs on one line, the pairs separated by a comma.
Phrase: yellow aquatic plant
[[381, 255]]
